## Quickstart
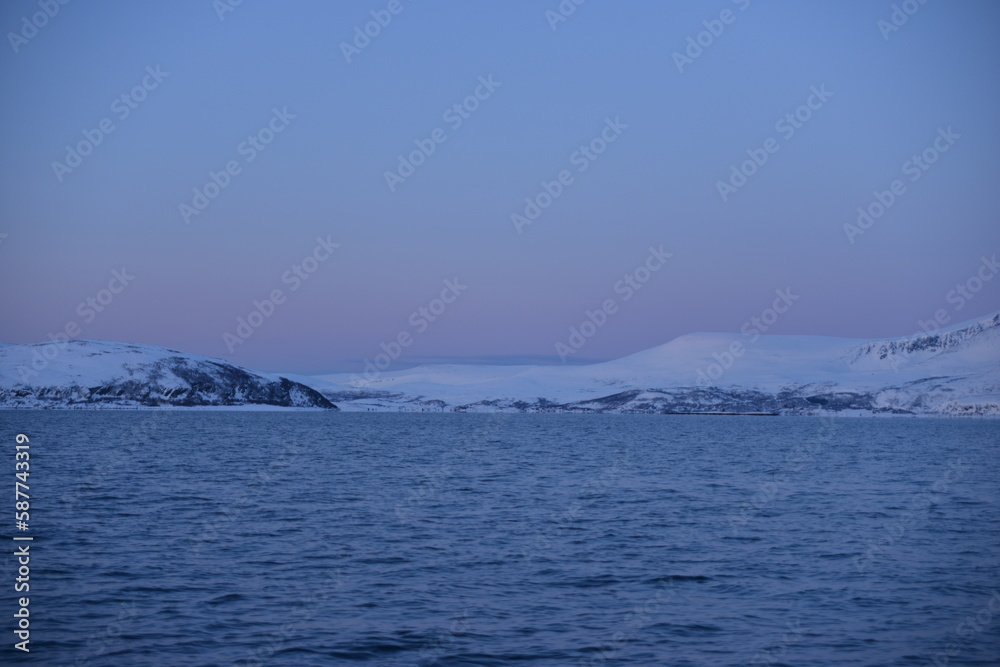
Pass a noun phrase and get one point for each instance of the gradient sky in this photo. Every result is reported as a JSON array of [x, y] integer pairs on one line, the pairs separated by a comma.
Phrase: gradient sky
[[323, 175]]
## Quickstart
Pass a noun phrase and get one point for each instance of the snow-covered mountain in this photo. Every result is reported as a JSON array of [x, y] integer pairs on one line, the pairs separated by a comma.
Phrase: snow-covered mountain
[[952, 372], [95, 374], [955, 371]]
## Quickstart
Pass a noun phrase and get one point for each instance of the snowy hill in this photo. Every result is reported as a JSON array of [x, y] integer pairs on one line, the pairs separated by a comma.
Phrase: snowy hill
[[94, 374], [954, 371]]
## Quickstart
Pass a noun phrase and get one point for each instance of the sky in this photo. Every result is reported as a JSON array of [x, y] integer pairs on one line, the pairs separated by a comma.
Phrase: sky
[[269, 184]]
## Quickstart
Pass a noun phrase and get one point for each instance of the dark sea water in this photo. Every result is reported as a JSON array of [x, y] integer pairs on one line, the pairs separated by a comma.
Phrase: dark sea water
[[214, 538]]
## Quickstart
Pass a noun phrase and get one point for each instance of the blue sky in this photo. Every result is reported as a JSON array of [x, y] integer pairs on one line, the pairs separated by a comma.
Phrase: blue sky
[[277, 72]]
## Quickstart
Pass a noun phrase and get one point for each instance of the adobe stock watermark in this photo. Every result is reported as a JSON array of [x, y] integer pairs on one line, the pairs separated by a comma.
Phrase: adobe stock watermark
[[774, 652], [794, 462], [31, 25], [627, 287], [429, 486], [419, 320], [963, 293], [364, 34], [919, 509], [122, 107], [295, 276], [786, 126], [914, 168], [223, 7], [292, 618], [968, 629], [131, 439], [454, 116], [557, 521], [752, 328], [959, 296], [636, 620], [100, 643], [443, 640], [88, 310], [699, 42], [581, 159], [209, 530], [248, 149], [562, 12], [899, 16]]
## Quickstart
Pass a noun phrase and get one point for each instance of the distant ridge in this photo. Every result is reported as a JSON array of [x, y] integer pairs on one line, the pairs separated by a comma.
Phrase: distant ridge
[[955, 371], [952, 372]]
